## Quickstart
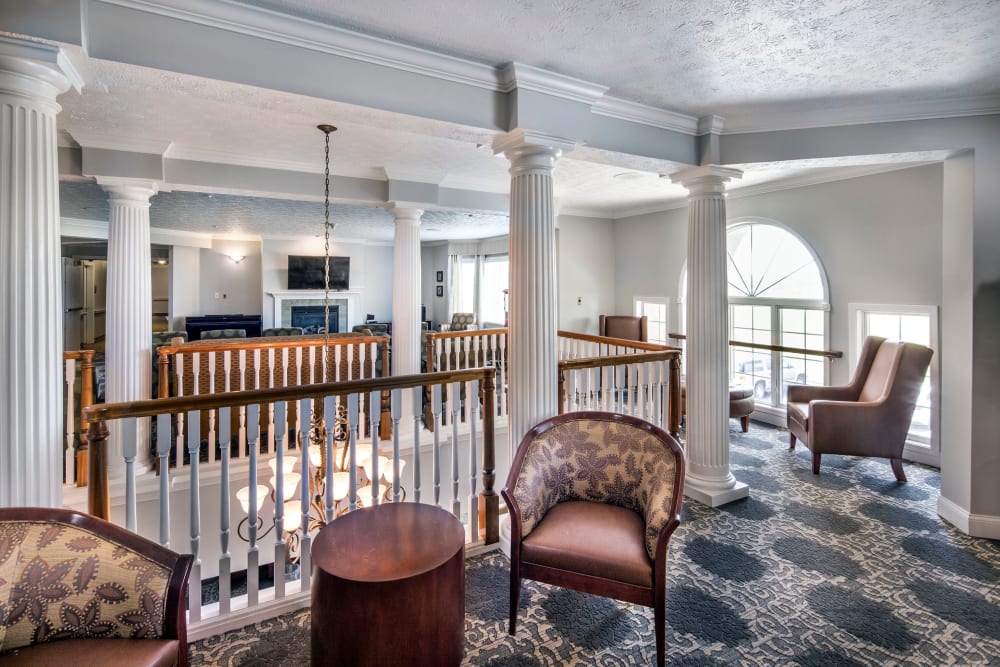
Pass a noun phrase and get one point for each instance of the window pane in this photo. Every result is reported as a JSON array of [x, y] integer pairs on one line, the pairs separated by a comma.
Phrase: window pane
[[770, 262]]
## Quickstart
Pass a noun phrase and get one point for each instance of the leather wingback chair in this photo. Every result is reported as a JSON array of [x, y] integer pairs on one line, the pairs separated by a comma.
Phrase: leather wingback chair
[[107, 595], [594, 498], [868, 417], [629, 327]]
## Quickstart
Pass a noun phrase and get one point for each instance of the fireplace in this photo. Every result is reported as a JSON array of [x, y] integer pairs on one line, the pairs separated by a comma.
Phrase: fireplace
[[348, 303], [310, 318]]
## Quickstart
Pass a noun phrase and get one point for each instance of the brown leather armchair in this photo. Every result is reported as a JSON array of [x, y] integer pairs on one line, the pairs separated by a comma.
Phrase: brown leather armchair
[[77, 590], [628, 327], [868, 417], [594, 498]]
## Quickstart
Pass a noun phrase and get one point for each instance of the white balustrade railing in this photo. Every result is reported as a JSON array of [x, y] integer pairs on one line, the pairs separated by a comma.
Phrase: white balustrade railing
[[461, 350], [320, 466]]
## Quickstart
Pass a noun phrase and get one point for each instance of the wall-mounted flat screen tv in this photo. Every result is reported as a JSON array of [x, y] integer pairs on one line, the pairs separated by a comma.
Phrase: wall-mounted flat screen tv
[[306, 272]]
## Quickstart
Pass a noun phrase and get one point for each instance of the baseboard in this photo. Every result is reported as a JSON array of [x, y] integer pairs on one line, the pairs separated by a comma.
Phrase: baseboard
[[976, 525]]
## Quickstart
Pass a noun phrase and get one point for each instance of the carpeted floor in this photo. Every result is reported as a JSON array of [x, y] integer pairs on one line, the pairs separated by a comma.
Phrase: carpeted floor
[[844, 568]]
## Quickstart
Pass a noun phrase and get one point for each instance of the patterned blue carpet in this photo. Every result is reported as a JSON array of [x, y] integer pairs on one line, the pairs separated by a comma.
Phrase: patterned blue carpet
[[845, 568]]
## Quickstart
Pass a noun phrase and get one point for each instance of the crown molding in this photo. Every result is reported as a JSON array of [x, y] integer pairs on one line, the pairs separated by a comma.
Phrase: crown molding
[[777, 120], [213, 156], [120, 142], [316, 36], [518, 75], [806, 180], [83, 228], [634, 112], [711, 124]]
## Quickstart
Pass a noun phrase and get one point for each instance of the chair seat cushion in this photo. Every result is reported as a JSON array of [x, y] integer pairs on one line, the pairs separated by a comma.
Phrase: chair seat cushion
[[799, 413], [591, 538], [96, 653]]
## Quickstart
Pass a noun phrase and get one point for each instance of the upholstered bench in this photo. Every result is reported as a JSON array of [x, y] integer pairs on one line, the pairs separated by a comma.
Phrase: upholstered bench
[[79, 591], [741, 404]]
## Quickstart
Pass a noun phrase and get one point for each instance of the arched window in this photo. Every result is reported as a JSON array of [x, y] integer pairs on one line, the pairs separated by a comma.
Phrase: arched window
[[778, 295]]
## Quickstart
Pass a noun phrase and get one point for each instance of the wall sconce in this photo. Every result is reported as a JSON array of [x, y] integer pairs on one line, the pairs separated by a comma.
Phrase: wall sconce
[[236, 257]]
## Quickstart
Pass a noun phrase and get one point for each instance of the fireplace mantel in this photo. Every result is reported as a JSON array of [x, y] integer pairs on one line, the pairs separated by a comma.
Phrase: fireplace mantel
[[349, 298]]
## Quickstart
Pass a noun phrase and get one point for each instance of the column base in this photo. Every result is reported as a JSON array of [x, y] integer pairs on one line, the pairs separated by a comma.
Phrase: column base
[[713, 491]]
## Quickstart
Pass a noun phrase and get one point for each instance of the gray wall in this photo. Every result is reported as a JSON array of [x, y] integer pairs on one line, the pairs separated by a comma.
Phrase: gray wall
[[227, 287], [586, 272], [434, 258], [878, 238], [185, 282]]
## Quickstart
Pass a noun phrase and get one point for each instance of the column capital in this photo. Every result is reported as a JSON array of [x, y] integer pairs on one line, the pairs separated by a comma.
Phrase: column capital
[[403, 212], [708, 179], [135, 191], [531, 151], [35, 70]]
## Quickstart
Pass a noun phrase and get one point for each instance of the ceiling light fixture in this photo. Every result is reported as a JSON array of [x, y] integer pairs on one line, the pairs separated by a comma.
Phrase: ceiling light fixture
[[629, 176], [236, 257]]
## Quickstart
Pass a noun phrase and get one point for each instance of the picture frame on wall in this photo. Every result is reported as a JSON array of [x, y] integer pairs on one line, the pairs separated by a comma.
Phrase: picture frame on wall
[[440, 277], [440, 290]]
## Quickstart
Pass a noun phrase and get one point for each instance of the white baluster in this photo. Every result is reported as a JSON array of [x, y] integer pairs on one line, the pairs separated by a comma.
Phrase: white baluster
[[473, 389], [418, 411], [438, 425], [329, 418], [163, 453], [179, 368], [253, 553], [353, 405], [130, 432], [242, 364], [270, 407], [225, 562], [305, 541], [395, 413], [212, 456], [279, 412], [70, 458], [502, 376], [374, 403], [456, 393], [193, 446]]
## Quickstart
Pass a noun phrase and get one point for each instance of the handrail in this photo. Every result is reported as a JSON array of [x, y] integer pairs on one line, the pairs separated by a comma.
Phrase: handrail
[[269, 342], [617, 342], [99, 497], [175, 405], [673, 355], [434, 335], [775, 348]]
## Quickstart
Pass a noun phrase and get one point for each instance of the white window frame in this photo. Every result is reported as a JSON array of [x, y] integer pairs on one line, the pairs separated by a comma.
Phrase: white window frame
[[929, 454], [658, 300]]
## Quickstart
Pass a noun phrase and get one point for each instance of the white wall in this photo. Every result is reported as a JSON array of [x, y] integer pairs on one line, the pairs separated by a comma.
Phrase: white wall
[[586, 278], [878, 238], [227, 287], [434, 258], [185, 281], [371, 273]]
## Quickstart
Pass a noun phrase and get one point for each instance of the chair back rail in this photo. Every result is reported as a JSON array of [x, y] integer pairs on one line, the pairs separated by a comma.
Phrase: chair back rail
[[320, 467]]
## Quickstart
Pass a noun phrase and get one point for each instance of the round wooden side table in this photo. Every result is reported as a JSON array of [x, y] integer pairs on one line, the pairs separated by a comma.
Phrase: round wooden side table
[[388, 588]]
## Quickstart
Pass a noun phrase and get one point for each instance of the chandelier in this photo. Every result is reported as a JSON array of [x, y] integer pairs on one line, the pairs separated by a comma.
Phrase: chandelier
[[367, 490]]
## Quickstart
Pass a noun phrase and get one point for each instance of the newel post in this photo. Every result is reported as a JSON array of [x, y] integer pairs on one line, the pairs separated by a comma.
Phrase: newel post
[[489, 501], [98, 492], [86, 400], [674, 415]]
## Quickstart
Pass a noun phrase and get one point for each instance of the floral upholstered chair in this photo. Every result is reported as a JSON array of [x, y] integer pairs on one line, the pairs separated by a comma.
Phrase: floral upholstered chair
[[79, 590], [594, 498]]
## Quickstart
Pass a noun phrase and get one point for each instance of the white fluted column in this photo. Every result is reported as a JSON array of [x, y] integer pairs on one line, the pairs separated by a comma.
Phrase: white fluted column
[[406, 291], [31, 372], [709, 479], [533, 356], [129, 329]]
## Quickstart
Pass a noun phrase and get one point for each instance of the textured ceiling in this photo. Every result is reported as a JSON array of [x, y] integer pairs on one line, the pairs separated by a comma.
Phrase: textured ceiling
[[708, 56]]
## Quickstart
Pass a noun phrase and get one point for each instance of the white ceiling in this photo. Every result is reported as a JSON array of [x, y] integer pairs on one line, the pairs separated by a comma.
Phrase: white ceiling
[[724, 57]]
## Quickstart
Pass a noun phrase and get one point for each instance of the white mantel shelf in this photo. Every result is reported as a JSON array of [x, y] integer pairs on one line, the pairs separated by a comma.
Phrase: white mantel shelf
[[352, 296]]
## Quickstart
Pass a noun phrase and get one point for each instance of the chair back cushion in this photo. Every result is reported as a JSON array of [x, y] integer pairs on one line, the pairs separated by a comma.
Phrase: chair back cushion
[[280, 331], [600, 460], [223, 333], [880, 376], [624, 326], [60, 581], [461, 321]]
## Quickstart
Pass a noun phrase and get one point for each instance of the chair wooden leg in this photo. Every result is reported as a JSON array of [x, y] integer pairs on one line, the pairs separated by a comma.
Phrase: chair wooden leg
[[816, 457], [745, 423], [659, 617], [791, 440], [515, 596], [897, 469]]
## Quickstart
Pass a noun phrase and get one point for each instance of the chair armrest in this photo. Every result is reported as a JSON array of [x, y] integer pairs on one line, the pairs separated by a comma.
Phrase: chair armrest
[[857, 428], [801, 393]]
